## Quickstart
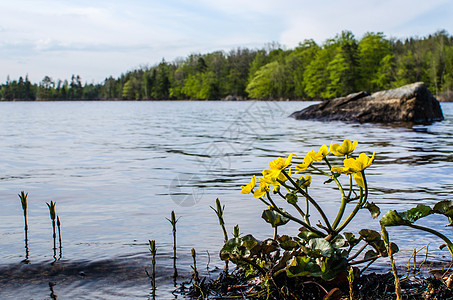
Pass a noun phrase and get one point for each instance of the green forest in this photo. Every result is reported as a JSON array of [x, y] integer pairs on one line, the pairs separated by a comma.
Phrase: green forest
[[340, 66]]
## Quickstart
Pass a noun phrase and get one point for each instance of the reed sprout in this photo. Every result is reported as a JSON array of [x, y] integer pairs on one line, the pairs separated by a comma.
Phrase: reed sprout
[[23, 200], [219, 212], [153, 249], [59, 235], [173, 222], [51, 207], [195, 271]]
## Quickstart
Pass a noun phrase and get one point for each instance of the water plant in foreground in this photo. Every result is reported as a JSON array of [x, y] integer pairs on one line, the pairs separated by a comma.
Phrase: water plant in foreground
[[52, 213], [153, 249], [322, 251], [24, 202], [173, 222]]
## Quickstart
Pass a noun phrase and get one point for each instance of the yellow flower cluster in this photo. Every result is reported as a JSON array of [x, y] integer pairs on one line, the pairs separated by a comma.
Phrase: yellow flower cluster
[[274, 176]]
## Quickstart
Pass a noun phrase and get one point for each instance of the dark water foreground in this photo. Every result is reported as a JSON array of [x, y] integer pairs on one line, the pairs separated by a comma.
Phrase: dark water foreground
[[125, 277], [118, 169]]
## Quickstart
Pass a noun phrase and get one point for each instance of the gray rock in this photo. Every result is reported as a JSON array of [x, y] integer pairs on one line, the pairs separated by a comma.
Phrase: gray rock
[[410, 103]]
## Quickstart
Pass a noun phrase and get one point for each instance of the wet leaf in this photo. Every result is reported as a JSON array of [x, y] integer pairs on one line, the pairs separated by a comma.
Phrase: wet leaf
[[331, 267], [303, 266], [370, 235], [370, 254], [274, 218], [444, 208], [307, 235], [288, 243], [321, 246], [394, 248], [265, 247], [415, 213], [338, 242], [237, 248], [394, 218], [352, 240], [291, 198], [373, 209]]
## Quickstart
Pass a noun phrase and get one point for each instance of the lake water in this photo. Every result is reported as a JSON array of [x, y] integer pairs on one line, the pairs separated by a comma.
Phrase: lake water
[[117, 169]]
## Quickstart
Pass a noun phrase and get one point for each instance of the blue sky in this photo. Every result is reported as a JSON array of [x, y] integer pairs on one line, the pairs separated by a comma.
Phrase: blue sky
[[96, 39]]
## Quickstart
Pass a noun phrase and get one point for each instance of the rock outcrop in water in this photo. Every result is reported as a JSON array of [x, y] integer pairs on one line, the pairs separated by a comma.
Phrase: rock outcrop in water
[[410, 103]]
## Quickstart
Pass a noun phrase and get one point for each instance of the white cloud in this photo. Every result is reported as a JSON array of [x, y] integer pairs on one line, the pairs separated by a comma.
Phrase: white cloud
[[101, 38], [324, 19]]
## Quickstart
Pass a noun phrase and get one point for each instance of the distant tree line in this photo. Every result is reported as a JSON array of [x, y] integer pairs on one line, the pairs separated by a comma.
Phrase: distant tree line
[[339, 66]]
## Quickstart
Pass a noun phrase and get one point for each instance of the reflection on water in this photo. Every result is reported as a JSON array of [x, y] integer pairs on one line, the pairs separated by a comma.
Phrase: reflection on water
[[117, 169]]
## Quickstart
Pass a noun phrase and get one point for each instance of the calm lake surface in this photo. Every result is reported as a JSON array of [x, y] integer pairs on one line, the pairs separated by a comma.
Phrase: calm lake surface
[[117, 169]]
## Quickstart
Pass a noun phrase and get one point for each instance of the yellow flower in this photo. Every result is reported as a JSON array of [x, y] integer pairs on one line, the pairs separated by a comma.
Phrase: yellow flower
[[345, 149], [273, 176], [355, 166], [276, 166], [359, 179], [246, 189], [263, 188], [322, 153], [307, 181], [308, 159], [281, 163], [359, 164]]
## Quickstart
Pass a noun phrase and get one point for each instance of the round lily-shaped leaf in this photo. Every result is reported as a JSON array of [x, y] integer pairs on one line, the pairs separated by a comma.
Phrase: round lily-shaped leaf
[[394, 218], [303, 266], [321, 246], [288, 243], [373, 209], [274, 218], [237, 248], [445, 208]]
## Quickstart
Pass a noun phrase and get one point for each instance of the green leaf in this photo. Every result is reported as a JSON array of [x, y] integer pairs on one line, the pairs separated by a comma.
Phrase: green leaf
[[338, 242], [274, 218], [331, 267], [394, 248], [303, 266], [373, 209], [393, 218], [444, 207], [288, 243], [370, 254], [370, 235], [307, 235], [237, 248], [291, 198], [352, 240], [321, 246], [415, 213]]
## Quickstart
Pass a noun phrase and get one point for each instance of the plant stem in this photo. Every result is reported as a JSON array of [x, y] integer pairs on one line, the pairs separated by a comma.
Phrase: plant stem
[[289, 216], [385, 238], [153, 249], [195, 272], [358, 252], [59, 235], [436, 233], [312, 201], [360, 203], [344, 199], [23, 200]]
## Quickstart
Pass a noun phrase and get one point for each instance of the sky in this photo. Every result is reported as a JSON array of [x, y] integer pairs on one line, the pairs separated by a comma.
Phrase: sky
[[100, 38]]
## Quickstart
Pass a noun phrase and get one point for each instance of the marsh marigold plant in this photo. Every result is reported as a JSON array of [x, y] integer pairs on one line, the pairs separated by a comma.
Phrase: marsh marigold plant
[[321, 248]]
